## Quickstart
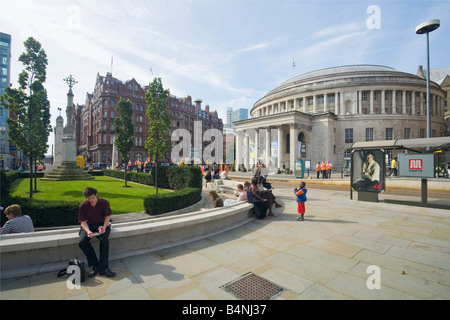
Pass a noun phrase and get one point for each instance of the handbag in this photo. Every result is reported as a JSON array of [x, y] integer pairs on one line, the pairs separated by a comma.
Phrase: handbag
[[251, 198]]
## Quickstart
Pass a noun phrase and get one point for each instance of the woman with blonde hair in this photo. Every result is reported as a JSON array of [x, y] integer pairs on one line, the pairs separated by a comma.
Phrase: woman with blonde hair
[[17, 223]]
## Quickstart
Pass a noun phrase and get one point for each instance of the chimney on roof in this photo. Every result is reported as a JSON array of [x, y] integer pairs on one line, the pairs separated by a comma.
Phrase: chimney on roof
[[207, 108], [198, 104]]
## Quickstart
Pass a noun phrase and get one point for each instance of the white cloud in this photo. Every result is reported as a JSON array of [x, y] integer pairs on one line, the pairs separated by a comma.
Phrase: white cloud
[[331, 31]]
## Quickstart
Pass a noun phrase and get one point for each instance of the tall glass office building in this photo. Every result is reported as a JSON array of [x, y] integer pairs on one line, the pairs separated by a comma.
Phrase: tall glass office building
[[6, 161]]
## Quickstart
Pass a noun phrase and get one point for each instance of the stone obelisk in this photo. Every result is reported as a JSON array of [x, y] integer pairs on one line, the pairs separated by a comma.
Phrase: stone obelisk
[[68, 169]]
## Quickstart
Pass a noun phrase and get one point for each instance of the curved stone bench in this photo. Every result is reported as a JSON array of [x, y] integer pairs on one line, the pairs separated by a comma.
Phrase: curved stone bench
[[44, 251]]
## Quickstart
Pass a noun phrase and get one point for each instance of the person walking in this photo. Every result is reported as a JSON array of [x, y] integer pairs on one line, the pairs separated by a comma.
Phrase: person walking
[[301, 199], [94, 215], [393, 168]]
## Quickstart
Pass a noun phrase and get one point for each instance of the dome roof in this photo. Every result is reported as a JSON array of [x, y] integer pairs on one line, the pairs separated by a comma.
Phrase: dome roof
[[339, 70], [339, 77]]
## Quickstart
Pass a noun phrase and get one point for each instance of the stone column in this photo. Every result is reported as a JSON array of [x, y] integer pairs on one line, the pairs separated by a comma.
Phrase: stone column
[[314, 104], [404, 102], [371, 102], [325, 95], [336, 103], [268, 146], [238, 148], [421, 104], [256, 145], [280, 147], [394, 102], [293, 145], [115, 155], [246, 150], [357, 105], [383, 101], [342, 102], [58, 130], [304, 104], [413, 102]]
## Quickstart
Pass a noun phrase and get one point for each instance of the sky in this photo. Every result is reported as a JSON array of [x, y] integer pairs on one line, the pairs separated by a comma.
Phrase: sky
[[229, 53]]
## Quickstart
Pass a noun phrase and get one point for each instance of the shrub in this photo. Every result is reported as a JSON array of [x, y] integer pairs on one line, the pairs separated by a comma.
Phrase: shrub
[[162, 203], [169, 177], [4, 185], [183, 177], [47, 213]]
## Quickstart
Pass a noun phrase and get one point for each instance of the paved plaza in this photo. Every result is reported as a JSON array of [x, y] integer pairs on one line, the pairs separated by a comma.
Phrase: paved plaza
[[345, 249]]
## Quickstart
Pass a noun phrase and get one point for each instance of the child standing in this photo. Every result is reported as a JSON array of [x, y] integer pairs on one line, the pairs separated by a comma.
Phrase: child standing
[[301, 199]]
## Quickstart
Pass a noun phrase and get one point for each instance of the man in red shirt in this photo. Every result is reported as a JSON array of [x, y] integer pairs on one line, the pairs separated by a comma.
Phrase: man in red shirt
[[92, 214]]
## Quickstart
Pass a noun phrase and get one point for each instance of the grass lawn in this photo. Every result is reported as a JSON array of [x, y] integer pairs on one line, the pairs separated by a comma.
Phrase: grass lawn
[[121, 199]]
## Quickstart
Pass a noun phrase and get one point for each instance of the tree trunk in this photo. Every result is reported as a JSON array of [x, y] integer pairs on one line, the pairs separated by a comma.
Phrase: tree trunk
[[125, 173], [156, 178], [31, 175]]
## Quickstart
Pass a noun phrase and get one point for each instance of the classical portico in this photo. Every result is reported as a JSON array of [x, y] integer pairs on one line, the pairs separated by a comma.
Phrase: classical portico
[[275, 140]]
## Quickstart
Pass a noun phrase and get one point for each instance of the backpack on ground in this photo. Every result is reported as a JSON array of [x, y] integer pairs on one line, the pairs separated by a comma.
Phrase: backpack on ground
[[76, 263]]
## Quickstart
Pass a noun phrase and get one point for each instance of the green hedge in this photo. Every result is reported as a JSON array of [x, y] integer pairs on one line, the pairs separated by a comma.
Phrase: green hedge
[[4, 185], [169, 177], [167, 202], [186, 181], [140, 177], [46, 213], [185, 177]]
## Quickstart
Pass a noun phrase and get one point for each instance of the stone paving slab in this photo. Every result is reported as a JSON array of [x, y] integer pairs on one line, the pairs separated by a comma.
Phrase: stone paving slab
[[327, 256]]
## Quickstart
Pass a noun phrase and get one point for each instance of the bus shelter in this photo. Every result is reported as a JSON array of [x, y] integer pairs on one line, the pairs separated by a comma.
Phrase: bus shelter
[[368, 174]]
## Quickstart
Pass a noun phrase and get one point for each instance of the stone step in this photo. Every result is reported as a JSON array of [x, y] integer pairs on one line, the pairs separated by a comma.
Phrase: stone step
[[67, 171]]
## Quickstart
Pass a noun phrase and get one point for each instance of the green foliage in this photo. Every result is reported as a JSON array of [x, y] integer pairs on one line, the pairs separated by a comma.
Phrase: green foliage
[[46, 213], [4, 186], [138, 177], [29, 102], [162, 203], [187, 181], [124, 127], [158, 141], [182, 177]]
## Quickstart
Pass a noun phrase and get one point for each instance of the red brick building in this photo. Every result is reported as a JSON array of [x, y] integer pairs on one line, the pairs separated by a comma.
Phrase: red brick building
[[94, 121]]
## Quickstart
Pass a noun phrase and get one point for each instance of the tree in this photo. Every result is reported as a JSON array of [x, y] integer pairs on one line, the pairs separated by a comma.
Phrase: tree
[[29, 102], [124, 127], [158, 141]]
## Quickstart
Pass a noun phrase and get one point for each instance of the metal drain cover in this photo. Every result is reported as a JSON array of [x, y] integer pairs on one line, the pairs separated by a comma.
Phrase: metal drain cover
[[252, 287]]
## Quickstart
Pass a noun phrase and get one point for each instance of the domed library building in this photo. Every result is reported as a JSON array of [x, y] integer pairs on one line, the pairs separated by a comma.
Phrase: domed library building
[[318, 115]]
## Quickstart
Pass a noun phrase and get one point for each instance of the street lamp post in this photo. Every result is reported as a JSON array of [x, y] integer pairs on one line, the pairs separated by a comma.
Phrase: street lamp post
[[427, 27]]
